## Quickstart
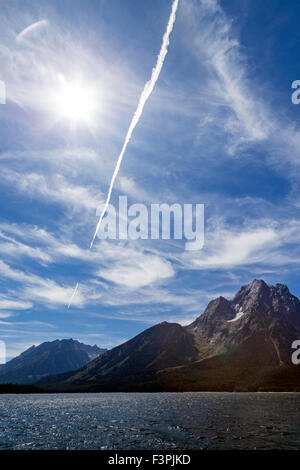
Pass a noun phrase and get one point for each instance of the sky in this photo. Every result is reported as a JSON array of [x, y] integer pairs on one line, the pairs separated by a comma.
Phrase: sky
[[219, 129]]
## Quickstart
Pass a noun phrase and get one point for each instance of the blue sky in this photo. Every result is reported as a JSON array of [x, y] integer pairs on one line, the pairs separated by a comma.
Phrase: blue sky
[[219, 129]]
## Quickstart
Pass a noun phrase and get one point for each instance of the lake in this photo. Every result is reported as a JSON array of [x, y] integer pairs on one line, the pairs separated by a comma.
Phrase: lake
[[150, 421]]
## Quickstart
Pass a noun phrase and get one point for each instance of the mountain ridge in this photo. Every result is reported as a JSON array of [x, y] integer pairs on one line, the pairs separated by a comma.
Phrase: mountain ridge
[[50, 357], [239, 344]]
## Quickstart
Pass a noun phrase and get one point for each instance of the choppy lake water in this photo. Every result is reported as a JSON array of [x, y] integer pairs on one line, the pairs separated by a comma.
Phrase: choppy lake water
[[150, 421]]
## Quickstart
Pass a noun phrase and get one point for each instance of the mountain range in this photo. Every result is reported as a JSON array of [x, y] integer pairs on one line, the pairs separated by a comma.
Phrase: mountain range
[[53, 357], [243, 344]]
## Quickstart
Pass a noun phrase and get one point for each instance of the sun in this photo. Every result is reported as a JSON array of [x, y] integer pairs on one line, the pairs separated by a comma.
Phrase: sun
[[75, 101]]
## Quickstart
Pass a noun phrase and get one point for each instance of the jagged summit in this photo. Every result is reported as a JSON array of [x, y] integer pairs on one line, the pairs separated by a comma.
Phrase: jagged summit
[[253, 298], [257, 310], [255, 288]]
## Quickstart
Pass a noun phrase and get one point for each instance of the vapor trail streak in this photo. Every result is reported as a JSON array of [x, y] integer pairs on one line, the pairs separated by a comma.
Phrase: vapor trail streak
[[148, 88], [73, 295]]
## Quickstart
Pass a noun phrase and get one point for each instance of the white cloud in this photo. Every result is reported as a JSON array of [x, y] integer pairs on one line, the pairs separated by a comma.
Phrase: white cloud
[[15, 248], [234, 248], [54, 188], [9, 304], [141, 271], [49, 292], [130, 187], [267, 243], [38, 289], [228, 89]]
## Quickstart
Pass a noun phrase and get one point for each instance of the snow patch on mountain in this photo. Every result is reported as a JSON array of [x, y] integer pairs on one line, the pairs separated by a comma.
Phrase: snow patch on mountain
[[239, 315]]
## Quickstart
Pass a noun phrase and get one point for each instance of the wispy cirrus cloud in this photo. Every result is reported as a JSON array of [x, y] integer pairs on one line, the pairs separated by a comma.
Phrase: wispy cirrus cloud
[[12, 304], [54, 188], [233, 99], [37, 288], [12, 247], [265, 242], [144, 270]]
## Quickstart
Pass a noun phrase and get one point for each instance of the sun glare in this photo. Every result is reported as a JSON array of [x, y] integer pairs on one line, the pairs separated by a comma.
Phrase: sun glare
[[75, 102]]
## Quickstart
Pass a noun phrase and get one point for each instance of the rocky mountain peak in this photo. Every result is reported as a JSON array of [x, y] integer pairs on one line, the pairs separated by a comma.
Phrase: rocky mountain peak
[[50, 357], [253, 305], [257, 289], [282, 289], [274, 301]]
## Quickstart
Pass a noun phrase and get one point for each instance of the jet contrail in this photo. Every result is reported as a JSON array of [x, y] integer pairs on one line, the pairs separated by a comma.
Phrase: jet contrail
[[148, 88], [73, 295]]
